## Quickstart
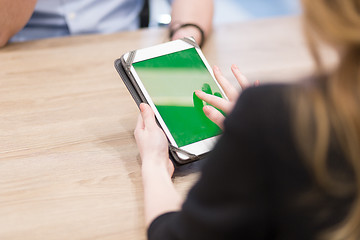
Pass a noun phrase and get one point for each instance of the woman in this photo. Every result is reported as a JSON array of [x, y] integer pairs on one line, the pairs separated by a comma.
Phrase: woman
[[288, 163]]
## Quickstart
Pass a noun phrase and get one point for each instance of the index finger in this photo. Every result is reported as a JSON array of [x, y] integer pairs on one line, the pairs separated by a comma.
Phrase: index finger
[[217, 102]]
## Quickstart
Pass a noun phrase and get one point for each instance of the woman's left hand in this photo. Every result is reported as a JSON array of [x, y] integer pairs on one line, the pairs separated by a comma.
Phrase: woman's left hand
[[152, 142], [160, 195]]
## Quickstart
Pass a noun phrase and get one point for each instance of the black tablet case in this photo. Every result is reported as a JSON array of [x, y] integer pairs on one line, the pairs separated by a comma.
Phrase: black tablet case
[[123, 68]]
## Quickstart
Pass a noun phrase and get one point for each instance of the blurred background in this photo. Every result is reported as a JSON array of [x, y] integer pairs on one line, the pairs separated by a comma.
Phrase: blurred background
[[231, 10]]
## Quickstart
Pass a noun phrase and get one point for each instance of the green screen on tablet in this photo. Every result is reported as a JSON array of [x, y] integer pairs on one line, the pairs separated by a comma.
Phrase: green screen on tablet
[[171, 81]]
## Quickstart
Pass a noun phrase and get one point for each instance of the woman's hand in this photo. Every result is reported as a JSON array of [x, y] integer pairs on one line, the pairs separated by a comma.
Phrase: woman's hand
[[160, 195], [152, 142], [231, 92]]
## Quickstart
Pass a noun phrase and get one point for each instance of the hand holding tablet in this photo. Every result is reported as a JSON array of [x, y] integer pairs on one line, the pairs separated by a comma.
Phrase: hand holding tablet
[[166, 77]]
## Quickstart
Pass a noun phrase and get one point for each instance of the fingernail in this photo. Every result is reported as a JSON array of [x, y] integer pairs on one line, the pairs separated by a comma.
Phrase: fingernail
[[216, 68], [206, 109], [142, 107], [235, 67]]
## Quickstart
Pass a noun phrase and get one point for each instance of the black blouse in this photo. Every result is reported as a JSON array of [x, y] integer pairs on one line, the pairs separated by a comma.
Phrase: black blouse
[[254, 185]]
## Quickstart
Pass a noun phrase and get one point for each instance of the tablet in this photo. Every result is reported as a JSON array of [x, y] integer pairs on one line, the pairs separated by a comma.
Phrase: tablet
[[167, 76]]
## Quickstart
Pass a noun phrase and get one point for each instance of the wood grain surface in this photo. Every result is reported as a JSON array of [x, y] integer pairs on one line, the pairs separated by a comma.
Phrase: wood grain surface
[[69, 166]]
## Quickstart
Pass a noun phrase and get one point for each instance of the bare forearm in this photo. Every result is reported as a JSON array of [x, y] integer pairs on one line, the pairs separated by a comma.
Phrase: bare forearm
[[199, 12], [160, 195], [14, 14]]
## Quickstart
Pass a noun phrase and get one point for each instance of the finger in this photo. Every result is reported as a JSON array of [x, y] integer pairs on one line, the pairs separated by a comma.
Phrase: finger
[[137, 131], [139, 128], [257, 83], [242, 80], [148, 116], [217, 102], [228, 88], [140, 123], [214, 115]]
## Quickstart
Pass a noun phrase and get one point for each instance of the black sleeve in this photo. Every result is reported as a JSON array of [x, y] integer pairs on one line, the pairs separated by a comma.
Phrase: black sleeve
[[232, 198]]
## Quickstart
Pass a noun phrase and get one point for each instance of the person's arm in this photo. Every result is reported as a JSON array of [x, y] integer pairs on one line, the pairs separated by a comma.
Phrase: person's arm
[[14, 14], [199, 12], [160, 195], [231, 200]]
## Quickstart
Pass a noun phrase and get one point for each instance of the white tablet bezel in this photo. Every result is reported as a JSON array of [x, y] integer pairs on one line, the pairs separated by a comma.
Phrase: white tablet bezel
[[197, 148]]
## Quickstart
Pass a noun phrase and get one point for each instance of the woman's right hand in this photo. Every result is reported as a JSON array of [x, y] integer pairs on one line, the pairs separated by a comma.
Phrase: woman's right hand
[[231, 92]]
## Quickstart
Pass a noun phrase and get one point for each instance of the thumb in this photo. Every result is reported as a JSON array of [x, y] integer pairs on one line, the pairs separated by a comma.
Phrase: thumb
[[147, 115]]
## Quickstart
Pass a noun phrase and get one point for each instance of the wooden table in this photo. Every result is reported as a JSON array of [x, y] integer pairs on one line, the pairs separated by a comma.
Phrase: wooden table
[[69, 166]]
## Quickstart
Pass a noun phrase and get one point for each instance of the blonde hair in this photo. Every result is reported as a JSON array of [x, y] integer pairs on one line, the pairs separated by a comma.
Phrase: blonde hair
[[331, 106]]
